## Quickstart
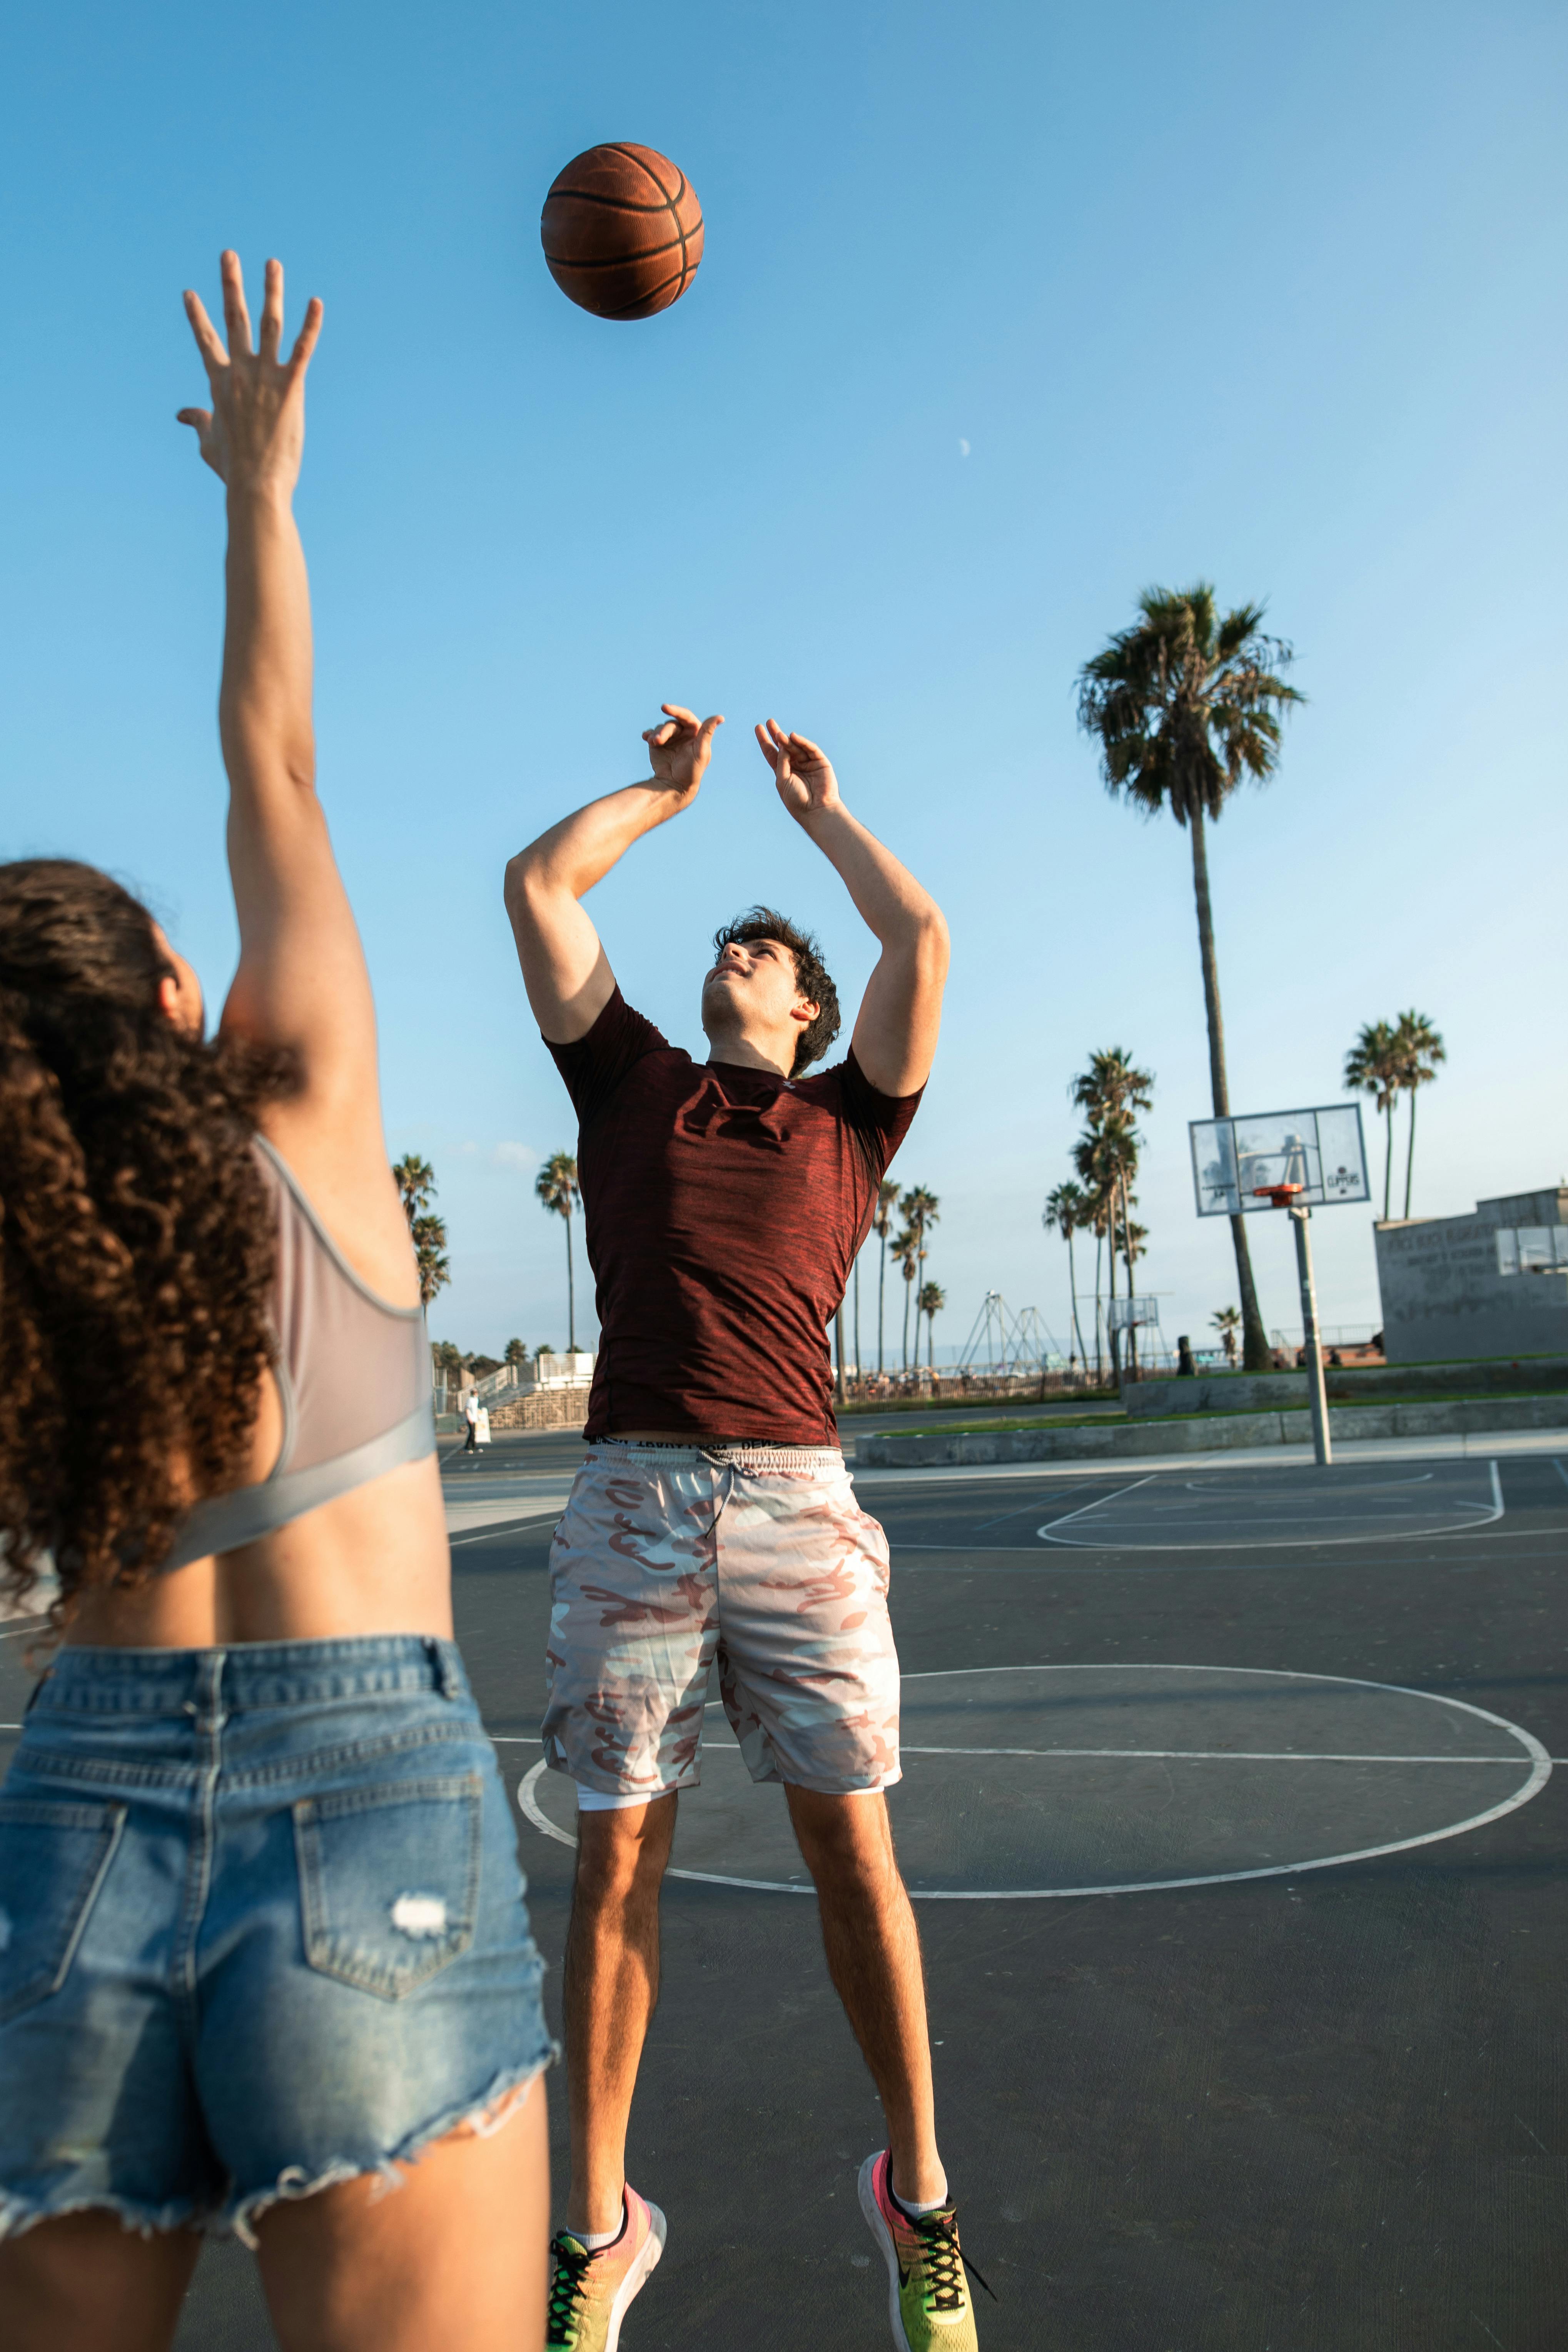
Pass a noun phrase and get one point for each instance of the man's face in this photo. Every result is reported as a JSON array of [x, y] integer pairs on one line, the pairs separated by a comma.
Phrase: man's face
[[754, 981]]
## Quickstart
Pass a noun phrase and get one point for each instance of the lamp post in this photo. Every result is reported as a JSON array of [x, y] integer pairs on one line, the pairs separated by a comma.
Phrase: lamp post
[[1284, 1197]]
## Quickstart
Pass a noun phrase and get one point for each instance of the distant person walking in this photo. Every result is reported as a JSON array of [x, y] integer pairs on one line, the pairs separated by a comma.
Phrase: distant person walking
[[471, 1415], [265, 1953]]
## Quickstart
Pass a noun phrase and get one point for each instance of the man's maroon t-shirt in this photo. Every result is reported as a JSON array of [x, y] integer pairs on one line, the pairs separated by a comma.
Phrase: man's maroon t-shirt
[[723, 1208]]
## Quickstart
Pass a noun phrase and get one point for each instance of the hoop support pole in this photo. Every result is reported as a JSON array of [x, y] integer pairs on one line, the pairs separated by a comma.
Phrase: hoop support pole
[[1317, 1395]]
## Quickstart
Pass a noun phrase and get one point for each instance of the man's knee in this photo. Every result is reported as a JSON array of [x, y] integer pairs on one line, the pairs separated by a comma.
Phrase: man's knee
[[846, 1839], [622, 1855]]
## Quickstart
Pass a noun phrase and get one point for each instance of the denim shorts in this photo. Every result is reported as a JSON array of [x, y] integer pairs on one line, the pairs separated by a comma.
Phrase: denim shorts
[[261, 1928], [672, 1560]]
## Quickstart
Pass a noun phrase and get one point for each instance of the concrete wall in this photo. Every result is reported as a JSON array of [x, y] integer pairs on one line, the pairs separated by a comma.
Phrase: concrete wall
[[1443, 1296], [1346, 1384], [1219, 1433]]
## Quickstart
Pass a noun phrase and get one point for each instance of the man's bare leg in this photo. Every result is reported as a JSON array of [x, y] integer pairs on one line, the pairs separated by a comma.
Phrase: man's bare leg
[[610, 1985], [874, 1959]]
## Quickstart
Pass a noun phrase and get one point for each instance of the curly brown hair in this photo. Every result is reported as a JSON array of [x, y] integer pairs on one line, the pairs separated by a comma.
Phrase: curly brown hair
[[137, 1239], [811, 976]]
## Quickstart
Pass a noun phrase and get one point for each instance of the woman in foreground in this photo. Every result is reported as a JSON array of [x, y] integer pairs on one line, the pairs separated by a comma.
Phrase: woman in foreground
[[264, 1959]]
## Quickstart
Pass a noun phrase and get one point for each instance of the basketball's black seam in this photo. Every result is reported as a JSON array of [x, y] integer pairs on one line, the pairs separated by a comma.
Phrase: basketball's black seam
[[616, 148], [614, 204], [616, 260]]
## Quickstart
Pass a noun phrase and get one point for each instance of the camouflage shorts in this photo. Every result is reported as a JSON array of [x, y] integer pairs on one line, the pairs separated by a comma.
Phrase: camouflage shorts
[[672, 1557]]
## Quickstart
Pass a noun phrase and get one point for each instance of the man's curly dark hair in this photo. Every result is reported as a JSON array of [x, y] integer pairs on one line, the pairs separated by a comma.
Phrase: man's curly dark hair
[[137, 1239], [811, 973]]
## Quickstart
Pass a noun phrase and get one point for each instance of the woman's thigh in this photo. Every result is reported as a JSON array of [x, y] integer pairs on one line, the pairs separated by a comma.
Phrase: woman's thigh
[[83, 2282], [456, 2253]]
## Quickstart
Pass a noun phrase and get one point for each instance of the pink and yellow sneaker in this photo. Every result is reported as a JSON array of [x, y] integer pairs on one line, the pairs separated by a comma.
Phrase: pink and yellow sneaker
[[928, 2294], [590, 2294]]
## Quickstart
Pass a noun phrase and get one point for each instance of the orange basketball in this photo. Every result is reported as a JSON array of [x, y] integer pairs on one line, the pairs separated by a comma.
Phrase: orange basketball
[[622, 231]]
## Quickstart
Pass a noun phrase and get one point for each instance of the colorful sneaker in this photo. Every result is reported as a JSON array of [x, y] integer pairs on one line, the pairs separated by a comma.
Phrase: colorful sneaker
[[590, 2294], [928, 2294]]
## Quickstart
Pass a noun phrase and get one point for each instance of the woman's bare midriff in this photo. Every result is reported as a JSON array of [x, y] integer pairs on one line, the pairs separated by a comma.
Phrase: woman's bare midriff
[[373, 1561]]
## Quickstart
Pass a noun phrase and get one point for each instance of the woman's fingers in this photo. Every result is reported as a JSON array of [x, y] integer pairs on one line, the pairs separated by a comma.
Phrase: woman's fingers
[[272, 311], [208, 340], [705, 730], [685, 718], [198, 419], [765, 746], [237, 318], [813, 752], [306, 339]]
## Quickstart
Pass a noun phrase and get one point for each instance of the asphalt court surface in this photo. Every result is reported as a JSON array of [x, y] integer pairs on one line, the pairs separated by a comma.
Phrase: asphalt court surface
[[1281, 2101]]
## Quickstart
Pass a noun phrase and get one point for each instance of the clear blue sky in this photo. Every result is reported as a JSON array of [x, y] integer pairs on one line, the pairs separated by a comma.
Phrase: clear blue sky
[[1006, 311]]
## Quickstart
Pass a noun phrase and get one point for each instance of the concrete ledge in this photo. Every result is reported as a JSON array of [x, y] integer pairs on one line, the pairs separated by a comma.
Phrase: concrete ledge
[[1216, 1433], [1347, 1384]]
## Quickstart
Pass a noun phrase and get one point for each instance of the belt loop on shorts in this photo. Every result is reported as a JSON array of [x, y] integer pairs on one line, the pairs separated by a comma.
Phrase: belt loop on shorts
[[206, 1708], [444, 1665]]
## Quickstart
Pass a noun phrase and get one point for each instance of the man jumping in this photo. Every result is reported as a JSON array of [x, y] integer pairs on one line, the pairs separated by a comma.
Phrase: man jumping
[[712, 1518]]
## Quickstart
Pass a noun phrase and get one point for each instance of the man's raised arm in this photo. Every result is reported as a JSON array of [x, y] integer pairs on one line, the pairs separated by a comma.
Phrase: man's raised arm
[[900, 1012], [564, 969]]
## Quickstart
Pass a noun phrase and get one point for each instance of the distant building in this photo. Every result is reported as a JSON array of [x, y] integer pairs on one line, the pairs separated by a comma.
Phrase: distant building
[[1494, 1283]]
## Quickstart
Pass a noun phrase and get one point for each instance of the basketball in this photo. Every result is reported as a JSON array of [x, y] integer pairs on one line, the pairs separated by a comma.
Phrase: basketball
[[622, 231]]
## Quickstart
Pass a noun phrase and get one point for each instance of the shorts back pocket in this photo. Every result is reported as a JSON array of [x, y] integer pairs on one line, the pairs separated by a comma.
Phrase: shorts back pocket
[[53, 1860], [389, 1880]]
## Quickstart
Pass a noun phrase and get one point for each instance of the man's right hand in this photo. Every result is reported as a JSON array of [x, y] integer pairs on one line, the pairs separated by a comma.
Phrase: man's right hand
[[681, 750]]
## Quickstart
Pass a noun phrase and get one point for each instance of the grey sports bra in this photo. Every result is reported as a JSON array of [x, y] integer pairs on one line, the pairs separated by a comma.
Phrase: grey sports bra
[[353, 1373]]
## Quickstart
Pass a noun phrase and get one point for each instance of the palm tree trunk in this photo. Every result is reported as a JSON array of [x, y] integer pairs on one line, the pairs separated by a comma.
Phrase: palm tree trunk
[[570, 1290], [908, 1287], [1254, 1340], [1388, 1162], [1098, 1246], [882, 1294], [1115, 1334], [1072, 1285], [838, 1346], [858, 1374], [1410, 1155], [1132, 1286]]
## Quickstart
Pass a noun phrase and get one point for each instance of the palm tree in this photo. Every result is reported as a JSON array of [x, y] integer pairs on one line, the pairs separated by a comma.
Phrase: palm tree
[[1066, 1212], [1373, 1066], [881, 1221], [905, 1255], [920, 1210], [1420, 1049], [1106, 1157], [415, 1181], [556, 1185], [515, 1355], [1227, 1323], [1108, 1091], [1185, 705], [932, 1300]]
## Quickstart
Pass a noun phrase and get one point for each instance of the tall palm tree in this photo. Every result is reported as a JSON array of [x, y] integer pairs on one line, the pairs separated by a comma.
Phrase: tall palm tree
[[920, 1210], [415, 1181], [1185, 704], [1066, 1212], [556, 1186], [882, 1224], [514, 1355], [1108, 1092], [932, 1300], [1106, 1157], [1227, 1323], [1373, 1066], [1420, 1049], [905, 1255]]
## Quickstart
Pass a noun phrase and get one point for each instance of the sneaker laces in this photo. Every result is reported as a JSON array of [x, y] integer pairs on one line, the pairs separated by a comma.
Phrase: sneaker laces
[[946, 2261], [567, 2290]]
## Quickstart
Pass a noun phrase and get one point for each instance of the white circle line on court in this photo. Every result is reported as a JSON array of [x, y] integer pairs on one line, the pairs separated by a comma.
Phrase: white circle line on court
[[1534, 1753], [1488, 1515]]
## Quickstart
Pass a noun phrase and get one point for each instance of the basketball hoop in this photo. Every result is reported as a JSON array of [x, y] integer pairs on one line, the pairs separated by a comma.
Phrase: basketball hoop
[[1280, 1194]]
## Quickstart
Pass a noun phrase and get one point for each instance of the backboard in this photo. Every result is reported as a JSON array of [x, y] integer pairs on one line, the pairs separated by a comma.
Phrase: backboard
[[1133, 1314], [1321, 1149]]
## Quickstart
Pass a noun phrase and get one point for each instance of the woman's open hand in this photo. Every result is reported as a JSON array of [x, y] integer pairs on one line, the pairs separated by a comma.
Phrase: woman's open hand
[[253, 435]]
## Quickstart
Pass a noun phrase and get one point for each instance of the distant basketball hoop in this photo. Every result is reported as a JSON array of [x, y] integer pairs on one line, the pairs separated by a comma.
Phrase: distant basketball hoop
[[1280, 1194]]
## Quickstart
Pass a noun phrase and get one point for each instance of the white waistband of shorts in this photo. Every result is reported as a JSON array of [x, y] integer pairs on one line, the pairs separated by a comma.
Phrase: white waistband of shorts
[[827, 1461]]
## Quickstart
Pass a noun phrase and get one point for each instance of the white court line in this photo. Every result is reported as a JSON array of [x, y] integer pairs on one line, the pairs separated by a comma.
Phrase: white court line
[[1561, 1473], [1489, 1513], [1095, 1506], [1535, 1756]]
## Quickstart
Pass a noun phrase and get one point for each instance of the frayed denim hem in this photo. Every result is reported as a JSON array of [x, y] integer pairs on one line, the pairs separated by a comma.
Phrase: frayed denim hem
[[18, 2214], [489, 2113]]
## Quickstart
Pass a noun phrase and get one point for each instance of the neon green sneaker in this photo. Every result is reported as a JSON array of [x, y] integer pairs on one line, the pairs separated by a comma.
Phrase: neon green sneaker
[[589, 2294], [928, 2294]]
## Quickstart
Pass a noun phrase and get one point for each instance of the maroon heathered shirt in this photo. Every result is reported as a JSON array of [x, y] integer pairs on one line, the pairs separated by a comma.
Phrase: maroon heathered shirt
[[723, 1208]]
